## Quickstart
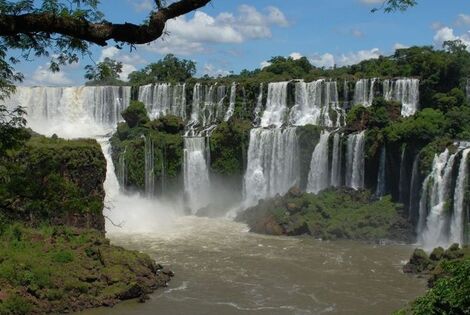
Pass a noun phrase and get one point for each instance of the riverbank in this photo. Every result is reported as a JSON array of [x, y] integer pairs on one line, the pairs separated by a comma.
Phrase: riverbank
[[60, 270]]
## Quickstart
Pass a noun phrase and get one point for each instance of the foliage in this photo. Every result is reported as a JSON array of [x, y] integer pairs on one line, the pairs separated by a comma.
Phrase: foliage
[[332, 214], [229, 146], [135, 115], [105, 72], [50, 179], [12, 132], [449, 271], [168, 69], [61, 270]]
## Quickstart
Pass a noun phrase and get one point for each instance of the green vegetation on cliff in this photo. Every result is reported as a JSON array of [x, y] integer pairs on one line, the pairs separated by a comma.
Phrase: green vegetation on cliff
[[332, 214], [58, 269], [55, 181], [128, 143], [449, 285]]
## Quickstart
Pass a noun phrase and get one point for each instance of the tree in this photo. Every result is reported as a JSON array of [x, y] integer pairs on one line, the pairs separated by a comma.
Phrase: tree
[[64, 29], [106, 71], [170, 68]]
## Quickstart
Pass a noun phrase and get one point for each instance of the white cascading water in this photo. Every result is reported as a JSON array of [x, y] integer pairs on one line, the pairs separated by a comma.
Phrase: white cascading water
[[457, 221], [318, 177], [381, 178], [355, 160], [273, 166], [196, 173], [314, 102], [149, 153], [436, 194], [405, 91], [163, 99], [259, 106], [336, 161], [231, 107], [72, 111], [208, 104], [276, 105], [364, 92]]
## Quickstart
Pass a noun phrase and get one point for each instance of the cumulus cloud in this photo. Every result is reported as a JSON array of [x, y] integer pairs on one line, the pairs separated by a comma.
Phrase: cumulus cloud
[[296, 55], [328, 60], [193, 35], [43, 76], [213, 71], [399, 46], [264, 64], [446, 34]]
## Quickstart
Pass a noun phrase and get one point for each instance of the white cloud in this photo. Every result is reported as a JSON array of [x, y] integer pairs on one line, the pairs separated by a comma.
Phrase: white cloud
[[356, 57], [462, 20], [43, 76], [296, 55], [194, 35], [212, 71], [399, 46], [328, 60], [446, 34], [264, 64]]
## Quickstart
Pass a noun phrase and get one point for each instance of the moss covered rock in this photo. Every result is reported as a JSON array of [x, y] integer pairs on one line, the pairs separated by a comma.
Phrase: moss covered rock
[[332, 214]]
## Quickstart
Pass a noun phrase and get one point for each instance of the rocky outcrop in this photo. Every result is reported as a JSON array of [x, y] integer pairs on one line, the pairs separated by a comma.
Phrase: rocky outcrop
[[56, 181], [332, 214]]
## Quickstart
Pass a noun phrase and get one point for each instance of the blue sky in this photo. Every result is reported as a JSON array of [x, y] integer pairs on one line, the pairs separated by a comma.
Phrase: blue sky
[[230, 35]]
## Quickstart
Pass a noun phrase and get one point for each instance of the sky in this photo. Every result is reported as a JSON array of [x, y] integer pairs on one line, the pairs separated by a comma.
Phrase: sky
[[232, 35]]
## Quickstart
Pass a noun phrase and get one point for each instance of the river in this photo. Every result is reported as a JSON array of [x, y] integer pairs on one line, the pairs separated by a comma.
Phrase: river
[[221, 268]]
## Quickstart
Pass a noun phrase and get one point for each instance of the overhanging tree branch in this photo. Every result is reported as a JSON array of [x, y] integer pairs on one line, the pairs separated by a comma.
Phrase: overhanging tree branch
[[98, 33]]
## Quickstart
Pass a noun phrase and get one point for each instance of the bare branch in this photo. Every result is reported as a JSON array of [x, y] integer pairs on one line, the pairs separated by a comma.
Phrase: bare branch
[[98, 33]]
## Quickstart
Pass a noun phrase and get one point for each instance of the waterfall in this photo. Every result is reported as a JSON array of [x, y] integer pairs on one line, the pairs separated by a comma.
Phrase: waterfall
[[381, 178], [457, 221], [157, 99], [122, 170], [72, 111], [414, 189], [276, 105], [196, 173], [196, 105], [355, 160], [221, 95], [259, 106], [402, 175], [318, 177], [314, 102], [149, 153], [231, 107], [405, 91], [346, 95], [437, 192], [364, 92], [336, 161], [273, 166]]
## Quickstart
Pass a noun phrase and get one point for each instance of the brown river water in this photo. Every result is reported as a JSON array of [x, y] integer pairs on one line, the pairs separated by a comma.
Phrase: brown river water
[[221, 268]]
